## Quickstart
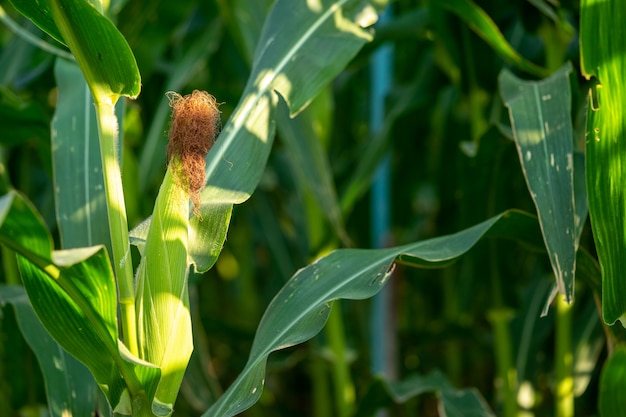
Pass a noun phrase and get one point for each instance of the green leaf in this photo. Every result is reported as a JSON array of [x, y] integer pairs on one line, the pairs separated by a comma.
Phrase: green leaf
[[480, 22], [611, 399], [542, 128], [74, 295], [70, 386], [162, 302], [79, 184], [310, 164], [603, 55], [300, 46], [454, 402], [101, 51], [301, 308], [40, 13]]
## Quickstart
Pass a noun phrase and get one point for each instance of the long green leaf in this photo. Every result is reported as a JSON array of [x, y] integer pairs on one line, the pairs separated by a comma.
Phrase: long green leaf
[[40, 13], [454, 402], [310, 163], [164, 319], [305, 149], [603, 55], [611, 399], [79, 190], [480, 22], [101, 51], [542, 128], [74, 295], [68, 386], [301, 308], [299, 46]]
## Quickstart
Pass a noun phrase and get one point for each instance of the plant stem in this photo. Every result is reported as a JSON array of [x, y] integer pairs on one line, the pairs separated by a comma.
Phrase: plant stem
[[116, 209], [507, 374], [500, 316], [453, 352], [564, 393], [344, 388]]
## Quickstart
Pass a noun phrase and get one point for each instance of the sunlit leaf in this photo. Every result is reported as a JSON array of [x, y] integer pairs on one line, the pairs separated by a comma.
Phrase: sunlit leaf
[[74, 295], [101, 51], [299, 46], [604, 57], [164, 319]]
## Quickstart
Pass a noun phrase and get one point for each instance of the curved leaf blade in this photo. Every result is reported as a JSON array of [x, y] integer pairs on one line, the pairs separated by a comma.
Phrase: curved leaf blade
[[74, 295], [40, 13], [69, 384], [101, 51], [611, 401], [301, 308], [543, 133], [293, 36], [454, 402], [480, 22]]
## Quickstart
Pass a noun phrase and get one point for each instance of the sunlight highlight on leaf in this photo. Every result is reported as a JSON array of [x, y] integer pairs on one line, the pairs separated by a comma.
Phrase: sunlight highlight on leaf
[[604, 57]]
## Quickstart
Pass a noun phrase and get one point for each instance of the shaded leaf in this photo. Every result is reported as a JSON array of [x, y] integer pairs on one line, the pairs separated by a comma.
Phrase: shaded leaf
[[485, 27], [611, 399], [40, 13], [542, 128], [70, 386], [310, 163], [452, 402]]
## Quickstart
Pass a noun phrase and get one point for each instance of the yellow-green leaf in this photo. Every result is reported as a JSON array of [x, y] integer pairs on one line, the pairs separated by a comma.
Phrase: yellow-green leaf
[[162, 300]]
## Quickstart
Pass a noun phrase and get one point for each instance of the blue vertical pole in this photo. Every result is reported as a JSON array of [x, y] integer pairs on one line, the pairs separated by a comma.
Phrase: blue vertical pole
[[381, 342]]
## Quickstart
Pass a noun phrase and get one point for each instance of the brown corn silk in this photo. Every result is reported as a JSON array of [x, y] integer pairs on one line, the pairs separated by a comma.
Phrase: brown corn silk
[[194, 125]]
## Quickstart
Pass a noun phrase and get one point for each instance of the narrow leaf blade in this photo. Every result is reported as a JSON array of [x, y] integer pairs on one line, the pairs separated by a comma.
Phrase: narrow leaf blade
[[293, 36], [77, 162], [480, 22], [101, 51], [40, 13], [162, 302], [542, 128], [606, 147], [301, 308], [74, 295], [70, 386]]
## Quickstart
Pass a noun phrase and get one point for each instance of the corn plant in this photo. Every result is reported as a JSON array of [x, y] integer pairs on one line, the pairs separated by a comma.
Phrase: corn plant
[[106, 307]]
